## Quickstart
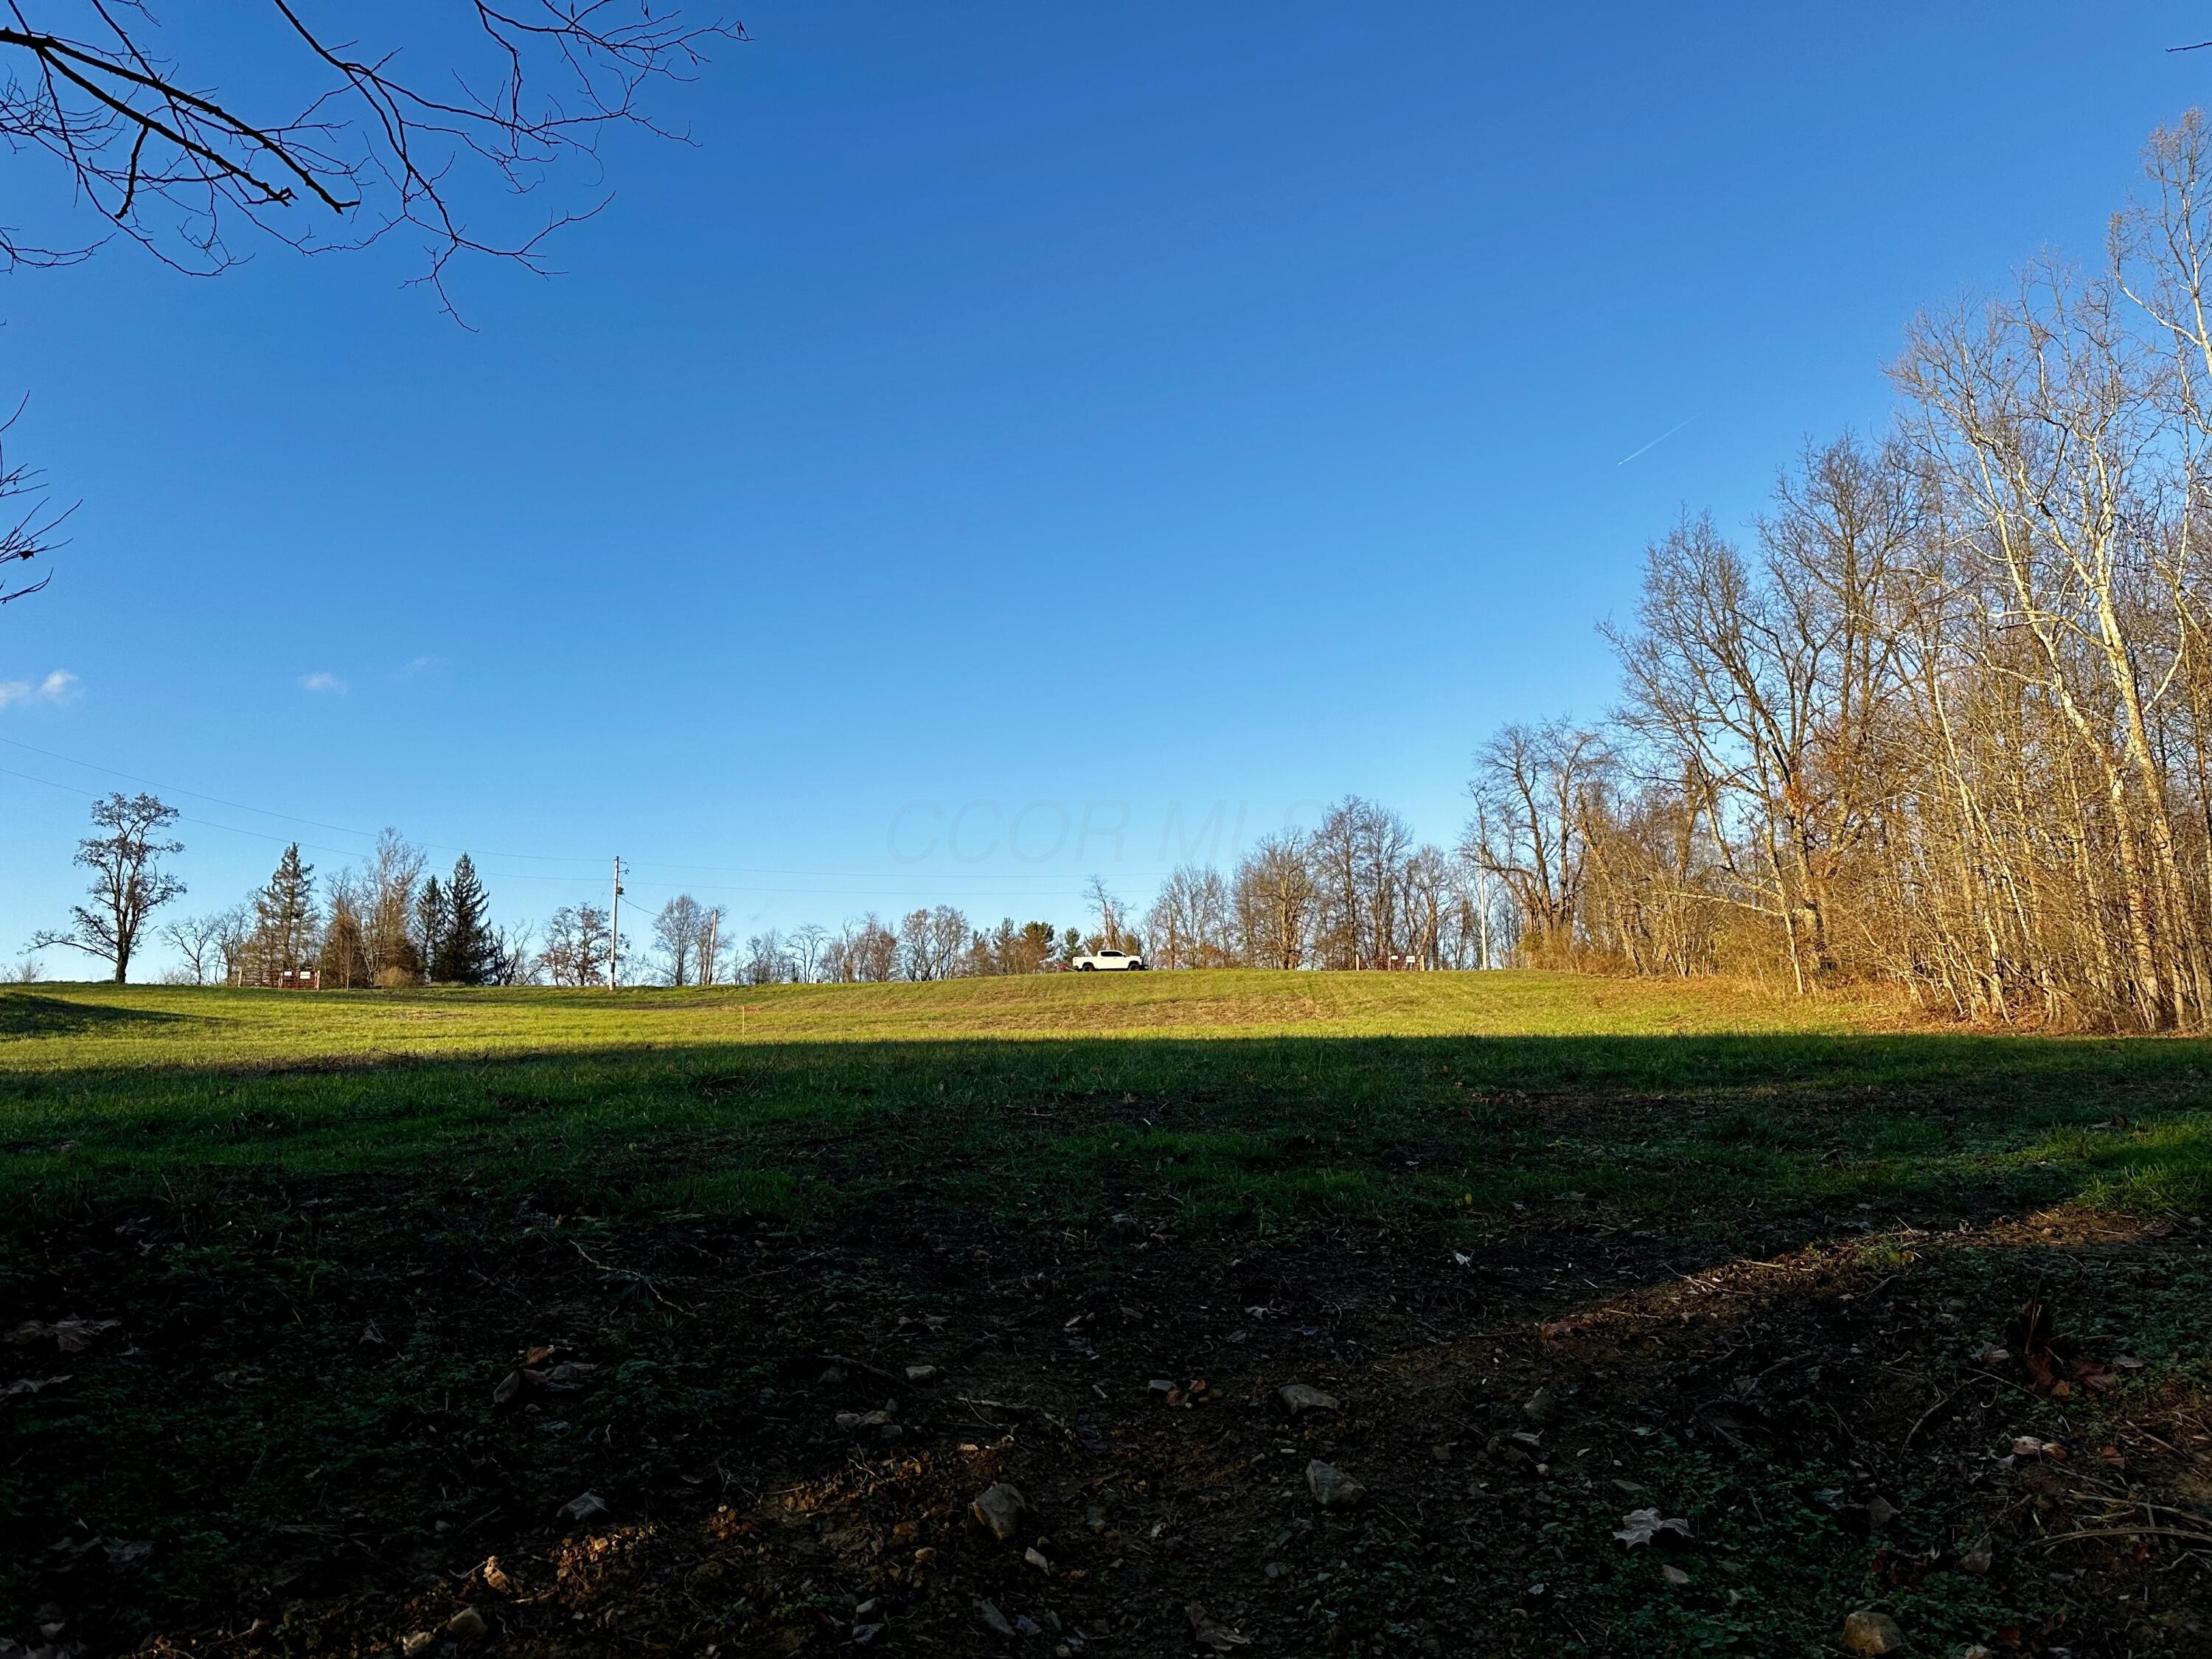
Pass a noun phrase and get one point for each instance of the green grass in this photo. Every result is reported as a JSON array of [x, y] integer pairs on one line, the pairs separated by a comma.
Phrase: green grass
[[691, 1184], [1239, 1097]]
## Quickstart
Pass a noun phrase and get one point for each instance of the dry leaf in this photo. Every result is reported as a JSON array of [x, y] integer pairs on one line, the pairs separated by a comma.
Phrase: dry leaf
[[1642, 1525], [71, 1335], [1208, 1631]]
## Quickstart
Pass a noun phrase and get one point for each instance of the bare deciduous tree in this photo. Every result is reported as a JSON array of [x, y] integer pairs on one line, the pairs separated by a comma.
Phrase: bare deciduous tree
[[365, 136], [576, 943], [128, 882], [678, 933], [200, 940]]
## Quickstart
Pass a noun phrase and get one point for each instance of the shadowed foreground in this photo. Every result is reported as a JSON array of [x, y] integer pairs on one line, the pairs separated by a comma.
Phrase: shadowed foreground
[[393, 1279]]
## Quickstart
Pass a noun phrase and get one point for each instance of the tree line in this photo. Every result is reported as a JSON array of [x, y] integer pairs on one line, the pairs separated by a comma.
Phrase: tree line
[[1946, 720], [1355, 892]]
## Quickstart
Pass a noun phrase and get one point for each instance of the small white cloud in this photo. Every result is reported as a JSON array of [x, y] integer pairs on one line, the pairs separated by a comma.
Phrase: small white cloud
[[416, 667], [59, 687], [322, 682]]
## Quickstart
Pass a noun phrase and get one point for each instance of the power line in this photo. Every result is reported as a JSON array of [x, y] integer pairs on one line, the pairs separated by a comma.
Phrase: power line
[[577, 880], [936, 879], [263, 811]]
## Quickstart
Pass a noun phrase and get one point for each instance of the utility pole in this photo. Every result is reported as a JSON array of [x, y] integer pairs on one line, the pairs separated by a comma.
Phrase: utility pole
[[614, 931], [714, 933]]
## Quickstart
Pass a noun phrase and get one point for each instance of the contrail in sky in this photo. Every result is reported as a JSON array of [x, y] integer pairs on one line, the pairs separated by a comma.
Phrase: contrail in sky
[[1655, 442]]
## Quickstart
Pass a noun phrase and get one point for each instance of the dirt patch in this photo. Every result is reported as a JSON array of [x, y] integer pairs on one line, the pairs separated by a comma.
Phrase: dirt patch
[[384, 1417]]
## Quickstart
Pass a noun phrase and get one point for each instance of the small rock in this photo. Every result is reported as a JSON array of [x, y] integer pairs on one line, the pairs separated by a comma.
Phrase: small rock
[[921, 1373], [1297, 1400], [1541, 1407], [1331, 1486], [864, 1634], [1279, 1569], [467, 1625], [1162, 1385], [1672, 1574], [848, 1421], [1001, 1510], [1025, 1626], [1036, 1558], [417, 1643], [865, 1609], [989, 1613], [1978, 1559], [585, 1506], [1869, 1632]]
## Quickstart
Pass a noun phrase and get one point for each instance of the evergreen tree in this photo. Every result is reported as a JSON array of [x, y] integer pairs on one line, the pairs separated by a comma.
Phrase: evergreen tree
[[284, 917], [431, 914], [467, 953]]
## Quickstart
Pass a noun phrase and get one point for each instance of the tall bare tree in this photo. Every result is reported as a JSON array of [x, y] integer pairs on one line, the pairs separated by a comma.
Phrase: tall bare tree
[[128, 882]]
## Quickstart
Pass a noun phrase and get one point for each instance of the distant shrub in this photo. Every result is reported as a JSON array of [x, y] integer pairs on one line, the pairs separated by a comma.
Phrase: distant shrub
[[394, 979]]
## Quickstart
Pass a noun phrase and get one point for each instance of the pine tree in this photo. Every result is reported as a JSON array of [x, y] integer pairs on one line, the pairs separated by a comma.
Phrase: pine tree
[[431, 918], [285, 917], [467, 953]]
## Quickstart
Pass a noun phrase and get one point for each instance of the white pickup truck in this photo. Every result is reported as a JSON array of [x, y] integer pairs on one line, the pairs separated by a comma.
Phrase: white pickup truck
[[1108, 961]]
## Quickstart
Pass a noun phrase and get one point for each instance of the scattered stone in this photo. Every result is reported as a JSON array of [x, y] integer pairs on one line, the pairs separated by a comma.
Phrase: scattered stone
[[1036, 1558], [1297, 1400], [1978, 1559], [419, 1642], [989, 1613], [1332, 1487], [865, 1609], [921, 1373], [1672, 1574], [1541, 1407], [585, 1506], [1162, 1385], [1279, 1569], [467, 1625], [1001, 1510], [1869, 1632], [848, 1421], [1025, 1626]]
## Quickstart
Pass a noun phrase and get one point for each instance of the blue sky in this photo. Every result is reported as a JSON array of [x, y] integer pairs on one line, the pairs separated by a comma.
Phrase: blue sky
[[1003, 426]]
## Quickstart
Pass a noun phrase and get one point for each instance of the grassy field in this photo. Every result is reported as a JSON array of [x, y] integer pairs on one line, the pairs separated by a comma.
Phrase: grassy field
[[1746, 1249]]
